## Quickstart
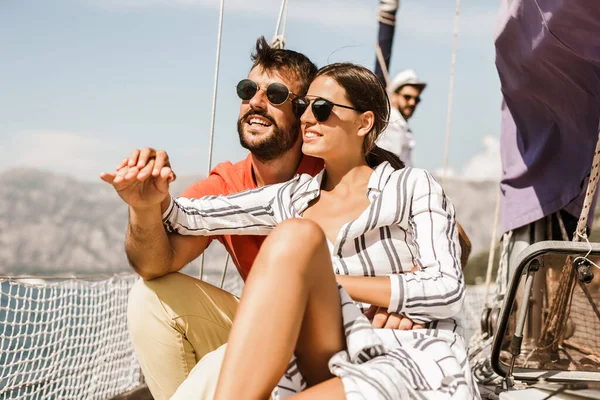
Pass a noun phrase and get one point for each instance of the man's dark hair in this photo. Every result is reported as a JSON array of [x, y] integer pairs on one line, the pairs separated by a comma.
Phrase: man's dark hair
[[288, 63]]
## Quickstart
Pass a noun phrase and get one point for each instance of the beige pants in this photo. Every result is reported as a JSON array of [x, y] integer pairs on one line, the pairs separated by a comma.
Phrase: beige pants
[[175, 321]]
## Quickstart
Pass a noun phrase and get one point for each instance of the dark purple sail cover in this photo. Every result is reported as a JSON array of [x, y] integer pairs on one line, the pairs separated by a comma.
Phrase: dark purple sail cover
[[548, 59]]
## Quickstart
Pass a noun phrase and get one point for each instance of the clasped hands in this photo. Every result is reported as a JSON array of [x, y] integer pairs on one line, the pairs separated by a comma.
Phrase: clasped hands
[[142, 179], [381, 318]]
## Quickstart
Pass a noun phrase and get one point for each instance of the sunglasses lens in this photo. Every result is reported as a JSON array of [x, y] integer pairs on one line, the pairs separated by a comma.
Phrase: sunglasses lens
[[321, 108], [277, 93], [246, 89], [299, 105], [409, 98]]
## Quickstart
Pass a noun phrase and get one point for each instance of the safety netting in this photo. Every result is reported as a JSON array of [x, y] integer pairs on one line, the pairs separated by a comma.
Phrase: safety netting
[[66, 339]]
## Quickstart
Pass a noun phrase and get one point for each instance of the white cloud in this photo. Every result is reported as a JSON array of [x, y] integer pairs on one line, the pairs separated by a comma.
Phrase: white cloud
[[484, 166], [449, 173], [63, 152]]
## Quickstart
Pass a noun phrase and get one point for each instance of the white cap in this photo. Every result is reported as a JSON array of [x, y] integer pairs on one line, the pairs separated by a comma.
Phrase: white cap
[[406, 77]]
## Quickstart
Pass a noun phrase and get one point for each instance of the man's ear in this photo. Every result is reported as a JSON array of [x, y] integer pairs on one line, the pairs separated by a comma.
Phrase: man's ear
[[366, 122], [394, 100]]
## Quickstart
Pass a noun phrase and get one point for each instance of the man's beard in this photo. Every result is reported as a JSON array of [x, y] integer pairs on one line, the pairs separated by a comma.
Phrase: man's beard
[[276, 144], [407, 112]]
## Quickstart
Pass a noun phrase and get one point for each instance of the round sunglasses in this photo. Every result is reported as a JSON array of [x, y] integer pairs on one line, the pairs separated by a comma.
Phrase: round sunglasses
[[321, 108], [408, 97], [277, 93]]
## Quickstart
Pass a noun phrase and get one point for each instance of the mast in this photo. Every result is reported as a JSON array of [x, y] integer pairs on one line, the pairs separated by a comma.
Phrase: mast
[[386, 16]]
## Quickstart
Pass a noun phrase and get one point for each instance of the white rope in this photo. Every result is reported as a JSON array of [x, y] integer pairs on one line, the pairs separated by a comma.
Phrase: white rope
[[389, 6], [280, 17], [589, 195], [386, 18], [278, 41], [216, 84], [492, 253], [502, 276], [284, 21], [214, 108], [450, 92], [386, 13], [225, 270], [588, 253], [381, 62]]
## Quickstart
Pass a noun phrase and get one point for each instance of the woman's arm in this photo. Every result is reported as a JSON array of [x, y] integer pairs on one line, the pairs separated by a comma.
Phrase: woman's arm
[[252, 212], [434, 288], [437, 289], [373, 290]]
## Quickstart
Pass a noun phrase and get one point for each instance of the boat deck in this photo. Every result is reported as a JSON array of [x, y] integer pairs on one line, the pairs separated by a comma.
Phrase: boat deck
[[142, 393], [487, 392]]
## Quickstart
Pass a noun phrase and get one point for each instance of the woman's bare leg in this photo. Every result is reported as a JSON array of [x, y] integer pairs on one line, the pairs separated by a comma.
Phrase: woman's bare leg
[[331, 389], [290, 302]]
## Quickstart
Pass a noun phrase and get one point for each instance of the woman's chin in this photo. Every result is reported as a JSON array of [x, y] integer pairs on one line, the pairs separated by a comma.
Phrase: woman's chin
[[311, 150]]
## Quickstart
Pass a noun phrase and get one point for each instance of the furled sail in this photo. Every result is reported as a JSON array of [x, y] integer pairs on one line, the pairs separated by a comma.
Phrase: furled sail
[[386, 15], [548, 60]]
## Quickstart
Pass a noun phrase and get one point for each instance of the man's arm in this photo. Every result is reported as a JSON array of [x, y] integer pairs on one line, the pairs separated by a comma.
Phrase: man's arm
[[152, 252], [142, 181]]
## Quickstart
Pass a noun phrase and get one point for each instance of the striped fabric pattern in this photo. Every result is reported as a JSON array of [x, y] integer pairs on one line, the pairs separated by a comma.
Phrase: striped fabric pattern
[[409, 222]]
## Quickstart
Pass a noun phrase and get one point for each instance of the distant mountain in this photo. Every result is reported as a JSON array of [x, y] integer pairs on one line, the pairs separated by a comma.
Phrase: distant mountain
[[475, 203], [53, 224]]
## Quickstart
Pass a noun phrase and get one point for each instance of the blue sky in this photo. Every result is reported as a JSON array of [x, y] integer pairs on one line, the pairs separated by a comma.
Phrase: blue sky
[[83, 82]]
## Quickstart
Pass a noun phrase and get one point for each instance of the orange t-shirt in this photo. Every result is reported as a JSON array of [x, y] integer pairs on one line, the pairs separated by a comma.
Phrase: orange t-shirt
[[228, 178]]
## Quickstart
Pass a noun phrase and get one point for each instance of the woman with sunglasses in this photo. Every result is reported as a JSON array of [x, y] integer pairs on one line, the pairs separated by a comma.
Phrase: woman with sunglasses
[[346, 239]]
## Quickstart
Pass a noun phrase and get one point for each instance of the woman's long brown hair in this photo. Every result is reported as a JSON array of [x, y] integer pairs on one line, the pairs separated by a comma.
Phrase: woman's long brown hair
[[365, 92]]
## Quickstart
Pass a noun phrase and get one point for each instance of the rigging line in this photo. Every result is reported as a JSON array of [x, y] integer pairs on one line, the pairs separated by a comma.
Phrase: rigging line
[[280, 17], [214, 108], [450, 92], [279, 36], [381, 62], [589, 195], [284, 22], [216, 84], [492, 253], [502, 275], [225, 270]]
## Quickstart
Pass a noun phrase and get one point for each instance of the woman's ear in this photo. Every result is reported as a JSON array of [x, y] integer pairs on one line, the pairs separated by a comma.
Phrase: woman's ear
[[366, 122]]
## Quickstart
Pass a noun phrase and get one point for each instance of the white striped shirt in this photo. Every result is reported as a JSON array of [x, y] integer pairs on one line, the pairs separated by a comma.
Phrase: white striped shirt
[[409, 221]]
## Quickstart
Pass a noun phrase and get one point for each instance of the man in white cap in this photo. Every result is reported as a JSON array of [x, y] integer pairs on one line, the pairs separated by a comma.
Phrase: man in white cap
[[404, 91]]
